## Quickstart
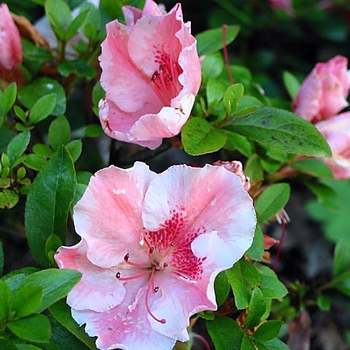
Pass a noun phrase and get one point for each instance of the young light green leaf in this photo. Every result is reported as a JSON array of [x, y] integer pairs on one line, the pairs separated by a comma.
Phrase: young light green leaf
[[277, 128], [76, 24], [27, 300], [17, 146], [215, 90], [62, 313], [8, 198], [55, 283], [225, 333], [291, 83], [59, 132], [59, 16], [42, 108], [8, 98], [35, 328], [257, 308], [51, 194], [211, 40], [232, 96], [272, 201], [199, 137]]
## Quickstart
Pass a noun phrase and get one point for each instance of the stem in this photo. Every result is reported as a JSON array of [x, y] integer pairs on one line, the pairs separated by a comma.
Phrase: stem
[[227, 61]]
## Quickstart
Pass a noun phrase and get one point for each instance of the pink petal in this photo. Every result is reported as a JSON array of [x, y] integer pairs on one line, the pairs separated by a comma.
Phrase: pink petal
[[209, 198], [123, 328], [98, 290], [108, 216]]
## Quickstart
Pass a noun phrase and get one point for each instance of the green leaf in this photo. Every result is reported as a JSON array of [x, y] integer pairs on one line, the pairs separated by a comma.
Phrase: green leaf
[[232, 96], [16, 277], [8, 198], [7, 345], [8, 98], [42, 150], [56, 283], [59, 16], [272, 201], [324, 302], [243, 278], [222, 288], [26, 347], [34, 162], [253, 168], [277, 128], [29, 94], [247, 343], [6, 301], [27, 300], [341, 262], [1, 259], [62, 313], [17, 146], [215, 90], [291, 83], [75, 148], [212, 66], [42, 108], [199, 137], [257, 308], [51, 195], [270, 284], [326, 196], [313, 167], [211, 40], [75, 25], [225, 333], [239, 143], [274, 344], [93, 130], [256, 251], [268, 330], [79, 67], [35, 328], [59, 132]]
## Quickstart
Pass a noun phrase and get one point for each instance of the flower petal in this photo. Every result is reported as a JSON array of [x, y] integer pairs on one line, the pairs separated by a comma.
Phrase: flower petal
[[108, 216], [98, 290]]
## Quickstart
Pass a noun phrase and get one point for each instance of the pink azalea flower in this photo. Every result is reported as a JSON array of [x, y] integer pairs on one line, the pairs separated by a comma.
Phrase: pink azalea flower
[[11, 46], [152, 245], [151, 74], [336, 131], [323, 93]]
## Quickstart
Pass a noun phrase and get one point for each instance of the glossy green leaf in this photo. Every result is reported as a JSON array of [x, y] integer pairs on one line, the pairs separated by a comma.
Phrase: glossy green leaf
[[272, 201], [17, 146], [239, 143], [6, 301], [256, 251], [313, 167], [59, 16], [225, 333], [273, 344], [51, 195], [215, 90], [268, 330], [277, 128], [27, 300], [199, 137], [76, 24], [8, 98], [341, 262], [62, 313], [59, 132], [42, 150], [16, 277], [212, 66], [35, 328], [211, 40], [42, 108], [271, 286], [257, 308], [222, 288], [34, 162], [78, 67], [247, 343], [243, 278], [29, 94], [56, 283], [75, 148], [291, 83]]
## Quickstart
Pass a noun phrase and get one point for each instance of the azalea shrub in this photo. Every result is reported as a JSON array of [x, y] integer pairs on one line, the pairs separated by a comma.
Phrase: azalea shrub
[[149, 165]]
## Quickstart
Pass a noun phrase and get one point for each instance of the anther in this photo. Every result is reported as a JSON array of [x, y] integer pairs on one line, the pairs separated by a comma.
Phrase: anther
[[117, 275], [156, 289], [126, 257]]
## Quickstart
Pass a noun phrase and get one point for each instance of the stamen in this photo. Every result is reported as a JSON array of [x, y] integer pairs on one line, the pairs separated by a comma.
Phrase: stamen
[[151, 283], [140, 266], [133, 277]]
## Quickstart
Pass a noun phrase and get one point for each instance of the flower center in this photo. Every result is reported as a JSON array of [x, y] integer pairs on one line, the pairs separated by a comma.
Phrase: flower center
[[150, 270], [165, 82]]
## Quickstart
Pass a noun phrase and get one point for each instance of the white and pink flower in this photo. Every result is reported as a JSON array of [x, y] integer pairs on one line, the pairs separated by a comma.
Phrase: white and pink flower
[[151, 74], [152, 245]]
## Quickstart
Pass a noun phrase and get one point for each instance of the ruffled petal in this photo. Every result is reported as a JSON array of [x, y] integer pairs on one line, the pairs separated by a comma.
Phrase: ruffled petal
[[98, 290], [108, 216]]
